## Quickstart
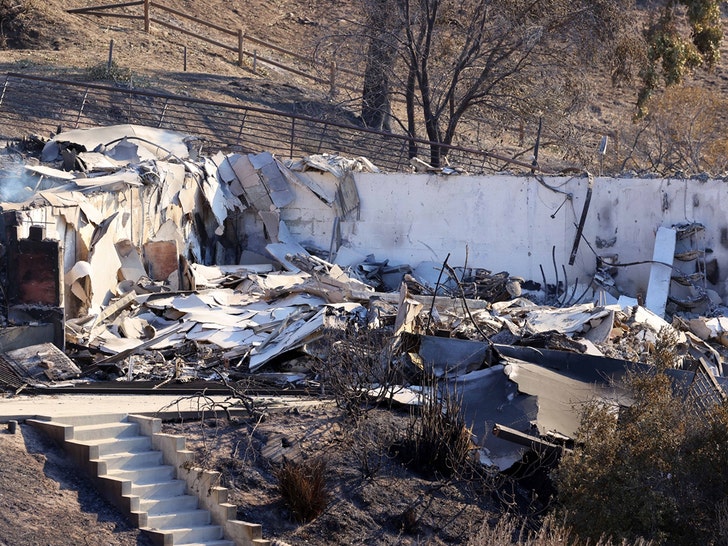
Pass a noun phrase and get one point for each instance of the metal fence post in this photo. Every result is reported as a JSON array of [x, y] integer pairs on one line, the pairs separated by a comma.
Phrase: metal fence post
[[242, 126], [164, 111], [403, 149], [5, 87], [321, 139], [293, 135], [146, 16]]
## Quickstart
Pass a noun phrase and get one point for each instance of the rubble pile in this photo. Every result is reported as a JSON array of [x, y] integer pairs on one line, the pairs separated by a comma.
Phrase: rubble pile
[[174, 267]]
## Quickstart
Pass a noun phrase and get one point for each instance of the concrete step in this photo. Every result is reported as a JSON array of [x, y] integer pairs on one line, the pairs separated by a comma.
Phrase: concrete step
[[192, 534], [105, 431], [131, 471], [168, 505], [144, 476], [131, 460], [211, 543], [90, 419], [192, 518], [130, 444], [161, 490]]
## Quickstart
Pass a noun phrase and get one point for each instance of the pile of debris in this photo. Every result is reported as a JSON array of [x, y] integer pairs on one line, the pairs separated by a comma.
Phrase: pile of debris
[[160, 266]]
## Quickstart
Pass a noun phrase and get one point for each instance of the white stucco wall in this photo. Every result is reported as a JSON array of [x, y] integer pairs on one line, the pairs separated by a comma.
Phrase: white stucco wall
[[505, 222]]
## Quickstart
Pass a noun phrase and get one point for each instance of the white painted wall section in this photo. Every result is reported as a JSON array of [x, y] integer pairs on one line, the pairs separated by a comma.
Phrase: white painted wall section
[[515, 223]]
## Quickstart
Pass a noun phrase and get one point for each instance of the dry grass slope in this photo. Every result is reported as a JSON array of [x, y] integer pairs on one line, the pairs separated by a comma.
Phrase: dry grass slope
[[56, 43]]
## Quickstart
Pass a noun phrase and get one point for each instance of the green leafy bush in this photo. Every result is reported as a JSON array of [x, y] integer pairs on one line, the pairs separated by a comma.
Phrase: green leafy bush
[[109, 72]]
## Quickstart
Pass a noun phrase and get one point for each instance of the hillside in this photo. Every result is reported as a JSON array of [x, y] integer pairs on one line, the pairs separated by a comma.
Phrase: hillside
[[45, 40], [42, 38]]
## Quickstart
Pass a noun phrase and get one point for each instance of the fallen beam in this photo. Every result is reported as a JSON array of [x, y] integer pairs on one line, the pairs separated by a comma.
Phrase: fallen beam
[[533, 442]]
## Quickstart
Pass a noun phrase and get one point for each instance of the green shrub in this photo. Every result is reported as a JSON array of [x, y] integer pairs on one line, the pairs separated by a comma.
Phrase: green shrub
[[109, 72]]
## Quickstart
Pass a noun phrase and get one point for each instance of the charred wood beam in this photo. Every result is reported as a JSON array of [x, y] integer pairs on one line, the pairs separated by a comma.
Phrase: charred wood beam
[[532, 442]]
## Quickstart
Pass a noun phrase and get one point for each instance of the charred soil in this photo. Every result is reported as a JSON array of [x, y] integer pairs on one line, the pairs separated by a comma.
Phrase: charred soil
[[44, 499], [371, 495]]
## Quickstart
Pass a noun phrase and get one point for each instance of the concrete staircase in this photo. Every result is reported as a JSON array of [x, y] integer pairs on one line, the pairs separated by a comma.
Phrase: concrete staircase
[[149, 476]]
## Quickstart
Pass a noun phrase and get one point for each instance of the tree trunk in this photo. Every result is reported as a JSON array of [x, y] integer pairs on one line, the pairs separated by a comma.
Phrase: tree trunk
[[411, 124], [376, 108], [435, 155], [376, 101], [433, 134]]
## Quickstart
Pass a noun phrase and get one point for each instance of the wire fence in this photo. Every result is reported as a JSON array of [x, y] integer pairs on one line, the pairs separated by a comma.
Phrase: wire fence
[[201, 29], [39, 105], [338, 80]]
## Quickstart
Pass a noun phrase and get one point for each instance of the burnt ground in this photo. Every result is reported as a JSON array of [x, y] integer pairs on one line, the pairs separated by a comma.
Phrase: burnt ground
[[45, 500], [373, 498]]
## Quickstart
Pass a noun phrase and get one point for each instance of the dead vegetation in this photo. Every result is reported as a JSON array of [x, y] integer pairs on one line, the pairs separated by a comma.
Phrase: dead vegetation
[[14, 21], [33, 24], [437, 443], [359, 491], [685, 133], [652, 470], [511, 531], [357, 367], [349, 486], [302, 485]]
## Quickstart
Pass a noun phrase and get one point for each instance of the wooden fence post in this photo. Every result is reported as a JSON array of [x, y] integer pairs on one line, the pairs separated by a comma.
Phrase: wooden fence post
[[332, 80], [146, 16], [241, 37], [111, 57], [255, 61]]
